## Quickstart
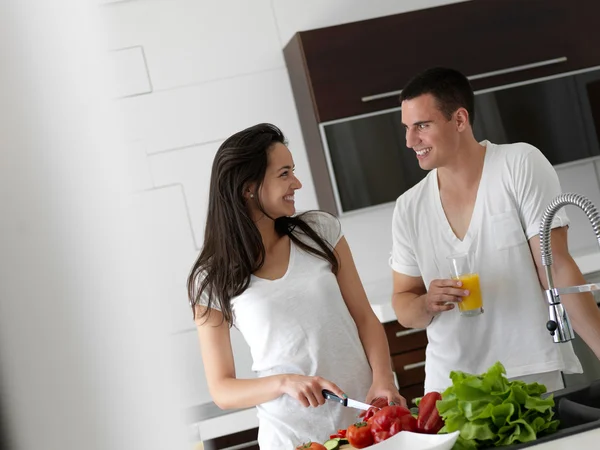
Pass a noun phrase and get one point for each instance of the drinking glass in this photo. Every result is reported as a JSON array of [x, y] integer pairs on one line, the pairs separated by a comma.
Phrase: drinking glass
[[461, 268]]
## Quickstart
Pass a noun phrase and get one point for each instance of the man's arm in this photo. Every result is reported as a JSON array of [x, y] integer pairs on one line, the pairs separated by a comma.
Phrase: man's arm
[[415, 306], [582, 308]]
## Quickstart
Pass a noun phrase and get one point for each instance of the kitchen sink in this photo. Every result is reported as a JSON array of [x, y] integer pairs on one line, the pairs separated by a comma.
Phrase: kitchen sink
[[587, 396], [577, 408]]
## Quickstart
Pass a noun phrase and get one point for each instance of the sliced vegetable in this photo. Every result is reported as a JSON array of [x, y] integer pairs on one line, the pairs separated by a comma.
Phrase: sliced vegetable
[[311, 446], [335, 442], [332, 444], [339, 434]]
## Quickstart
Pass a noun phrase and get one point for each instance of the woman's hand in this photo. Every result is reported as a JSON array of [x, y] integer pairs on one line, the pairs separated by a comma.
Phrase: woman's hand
[[384, 394], [308, 390]]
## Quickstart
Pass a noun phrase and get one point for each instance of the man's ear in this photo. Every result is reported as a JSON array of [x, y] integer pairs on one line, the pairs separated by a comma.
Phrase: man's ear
[[462, 118]]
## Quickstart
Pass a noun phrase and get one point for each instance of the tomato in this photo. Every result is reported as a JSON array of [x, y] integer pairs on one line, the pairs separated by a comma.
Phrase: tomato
[[359, 435], [429, 420], [311, 446]]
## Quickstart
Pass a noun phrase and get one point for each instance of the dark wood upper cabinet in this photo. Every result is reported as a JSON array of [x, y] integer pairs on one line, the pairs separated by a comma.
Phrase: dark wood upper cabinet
[[333, 69]]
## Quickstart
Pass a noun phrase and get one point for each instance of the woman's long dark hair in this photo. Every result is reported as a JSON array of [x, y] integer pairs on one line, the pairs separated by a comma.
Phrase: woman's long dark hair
[[233, 247]]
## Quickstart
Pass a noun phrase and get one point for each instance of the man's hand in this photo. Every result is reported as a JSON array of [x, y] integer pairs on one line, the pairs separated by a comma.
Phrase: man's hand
[[442, 295]]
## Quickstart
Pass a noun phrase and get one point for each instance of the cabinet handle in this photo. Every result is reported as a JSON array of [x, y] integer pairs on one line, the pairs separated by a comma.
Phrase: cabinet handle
[[403, 333], [241, 446], [413, 366], [547, 62]]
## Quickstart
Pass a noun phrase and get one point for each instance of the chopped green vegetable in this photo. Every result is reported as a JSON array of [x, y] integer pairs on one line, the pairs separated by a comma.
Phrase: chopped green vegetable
[[332, 444], [489, 410]]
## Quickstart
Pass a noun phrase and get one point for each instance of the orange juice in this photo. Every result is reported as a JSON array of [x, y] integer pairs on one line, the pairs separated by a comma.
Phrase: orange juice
[[470, 282]]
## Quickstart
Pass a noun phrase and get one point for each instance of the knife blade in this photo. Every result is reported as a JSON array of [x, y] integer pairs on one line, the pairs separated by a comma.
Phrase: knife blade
[[348, 402]]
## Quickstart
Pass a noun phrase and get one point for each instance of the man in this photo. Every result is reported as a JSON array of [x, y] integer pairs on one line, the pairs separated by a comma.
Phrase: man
[[485, 199]]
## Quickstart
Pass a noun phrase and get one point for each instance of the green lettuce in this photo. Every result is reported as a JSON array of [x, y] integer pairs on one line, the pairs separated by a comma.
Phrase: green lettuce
[[490, 411]]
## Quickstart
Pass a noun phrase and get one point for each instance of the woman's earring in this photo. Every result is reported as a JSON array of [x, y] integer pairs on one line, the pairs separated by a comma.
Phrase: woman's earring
[[251, 195]]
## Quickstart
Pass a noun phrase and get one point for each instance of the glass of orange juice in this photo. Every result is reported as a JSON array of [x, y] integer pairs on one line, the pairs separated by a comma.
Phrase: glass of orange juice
[[461, 268]]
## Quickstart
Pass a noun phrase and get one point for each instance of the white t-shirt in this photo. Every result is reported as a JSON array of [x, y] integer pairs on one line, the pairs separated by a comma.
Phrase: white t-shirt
[[517, 184], [300, 324]]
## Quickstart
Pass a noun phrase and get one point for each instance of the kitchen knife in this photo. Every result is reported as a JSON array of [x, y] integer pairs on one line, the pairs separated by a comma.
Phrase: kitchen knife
[[348, 402]]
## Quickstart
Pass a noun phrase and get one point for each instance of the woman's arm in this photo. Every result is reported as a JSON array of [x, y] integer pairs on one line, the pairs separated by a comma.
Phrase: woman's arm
[[228, 392], [370, 329]]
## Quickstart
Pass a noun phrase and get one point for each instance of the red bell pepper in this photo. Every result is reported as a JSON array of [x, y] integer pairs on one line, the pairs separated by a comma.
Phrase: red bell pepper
[[340, 434], [368, 415], [380, 436], [408, 423], [389, 421], [429, 420]]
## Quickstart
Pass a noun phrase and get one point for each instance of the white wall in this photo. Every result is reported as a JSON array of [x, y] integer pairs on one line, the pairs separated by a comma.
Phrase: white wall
[[195, 71], [83, 361]]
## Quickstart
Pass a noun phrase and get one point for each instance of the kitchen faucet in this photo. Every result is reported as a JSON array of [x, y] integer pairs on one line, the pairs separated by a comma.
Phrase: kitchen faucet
[[559, 324]]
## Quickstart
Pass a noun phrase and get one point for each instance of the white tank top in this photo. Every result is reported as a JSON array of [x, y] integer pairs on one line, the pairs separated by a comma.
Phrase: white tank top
[[300, 324]]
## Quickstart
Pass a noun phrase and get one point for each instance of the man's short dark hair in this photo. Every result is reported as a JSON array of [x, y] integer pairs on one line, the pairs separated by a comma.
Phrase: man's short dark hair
[[449, 87]]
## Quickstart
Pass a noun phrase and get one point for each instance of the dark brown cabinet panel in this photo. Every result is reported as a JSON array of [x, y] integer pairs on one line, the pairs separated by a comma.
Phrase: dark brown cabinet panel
[[410, 367], [403, 339], [332, 70], [407, 349], [348, 62], [410, 393]]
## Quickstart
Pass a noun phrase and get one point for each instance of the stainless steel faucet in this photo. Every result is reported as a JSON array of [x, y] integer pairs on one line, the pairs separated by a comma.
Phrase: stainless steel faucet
[[559, 324]]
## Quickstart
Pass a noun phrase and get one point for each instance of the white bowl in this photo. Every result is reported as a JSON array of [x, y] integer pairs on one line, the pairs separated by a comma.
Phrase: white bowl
[[417, 441]]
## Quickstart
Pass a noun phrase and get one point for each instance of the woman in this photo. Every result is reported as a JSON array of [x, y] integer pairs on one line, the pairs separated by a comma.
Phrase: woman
[[289, 284]]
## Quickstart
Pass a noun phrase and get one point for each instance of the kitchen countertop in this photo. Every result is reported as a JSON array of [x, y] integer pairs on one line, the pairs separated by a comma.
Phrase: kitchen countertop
[[585, 440], [208, 421]]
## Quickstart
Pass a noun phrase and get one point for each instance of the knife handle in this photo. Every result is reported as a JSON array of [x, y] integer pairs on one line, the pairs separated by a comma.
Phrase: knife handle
[[331, 396]]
